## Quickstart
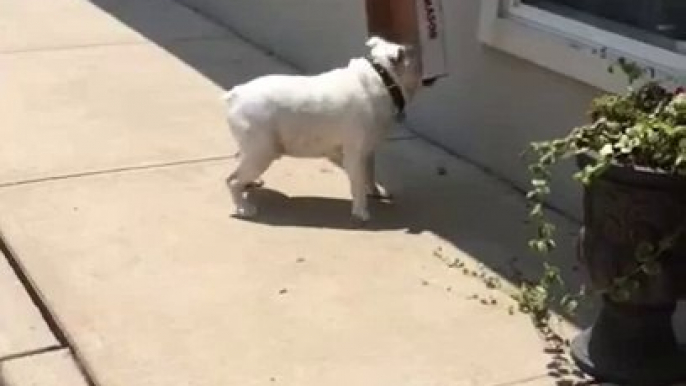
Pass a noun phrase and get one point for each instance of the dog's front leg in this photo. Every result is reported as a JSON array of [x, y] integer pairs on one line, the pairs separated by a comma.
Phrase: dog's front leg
[[373, 189], [356, 170]]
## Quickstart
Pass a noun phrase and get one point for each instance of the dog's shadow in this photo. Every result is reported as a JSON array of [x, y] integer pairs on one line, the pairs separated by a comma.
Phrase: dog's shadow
[[276, 208]]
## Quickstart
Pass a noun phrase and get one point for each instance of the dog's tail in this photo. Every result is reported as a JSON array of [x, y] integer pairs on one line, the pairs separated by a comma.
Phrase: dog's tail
[[229, 95]]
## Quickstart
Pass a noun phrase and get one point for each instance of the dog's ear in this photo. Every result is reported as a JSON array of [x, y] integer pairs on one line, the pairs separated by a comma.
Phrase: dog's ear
[[400, 55], [373, 41]]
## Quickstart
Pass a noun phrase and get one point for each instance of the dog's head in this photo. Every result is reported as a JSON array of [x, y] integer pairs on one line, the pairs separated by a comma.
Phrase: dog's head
[[401, 60]]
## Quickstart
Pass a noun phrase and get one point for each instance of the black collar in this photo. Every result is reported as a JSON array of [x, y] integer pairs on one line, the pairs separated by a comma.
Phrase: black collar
[[393, 88]]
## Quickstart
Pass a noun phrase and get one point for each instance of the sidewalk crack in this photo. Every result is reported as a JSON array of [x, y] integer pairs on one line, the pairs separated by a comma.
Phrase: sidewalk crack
[[29, 353], [122, 169], [47, 315]]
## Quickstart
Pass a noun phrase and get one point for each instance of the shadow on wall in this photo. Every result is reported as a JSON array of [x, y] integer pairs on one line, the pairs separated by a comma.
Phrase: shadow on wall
[[436, 194]]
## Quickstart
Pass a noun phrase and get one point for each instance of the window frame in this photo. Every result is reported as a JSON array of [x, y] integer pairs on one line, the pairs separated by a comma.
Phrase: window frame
[[570, 47]]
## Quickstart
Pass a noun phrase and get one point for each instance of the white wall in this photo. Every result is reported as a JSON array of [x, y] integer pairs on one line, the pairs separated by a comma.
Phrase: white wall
[[312, 34], [489, 108]]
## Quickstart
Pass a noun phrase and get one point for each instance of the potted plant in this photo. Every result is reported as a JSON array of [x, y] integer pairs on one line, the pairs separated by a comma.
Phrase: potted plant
[[632, 166]]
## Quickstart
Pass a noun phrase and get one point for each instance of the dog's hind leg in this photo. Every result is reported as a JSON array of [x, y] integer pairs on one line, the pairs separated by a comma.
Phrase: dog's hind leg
[[258, 183], [249, 170]]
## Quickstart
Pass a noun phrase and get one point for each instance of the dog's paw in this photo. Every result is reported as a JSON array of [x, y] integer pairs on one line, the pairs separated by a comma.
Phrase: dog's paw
[[246, 211], [358, 223], [360, 220], [381, 196], [255, 184]]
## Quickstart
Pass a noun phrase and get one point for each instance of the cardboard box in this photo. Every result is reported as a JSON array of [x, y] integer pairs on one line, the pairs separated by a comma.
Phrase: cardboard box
[[416, 22], [431, 30]]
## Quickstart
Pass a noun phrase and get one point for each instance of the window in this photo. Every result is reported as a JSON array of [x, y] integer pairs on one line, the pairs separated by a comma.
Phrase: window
[[658, 22], [580, 38]]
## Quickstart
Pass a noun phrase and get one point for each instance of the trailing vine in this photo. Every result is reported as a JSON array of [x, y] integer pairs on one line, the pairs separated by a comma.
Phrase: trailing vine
[[643, 128]]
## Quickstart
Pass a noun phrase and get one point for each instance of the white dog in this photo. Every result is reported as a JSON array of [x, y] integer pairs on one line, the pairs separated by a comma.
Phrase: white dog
[[341, 115]]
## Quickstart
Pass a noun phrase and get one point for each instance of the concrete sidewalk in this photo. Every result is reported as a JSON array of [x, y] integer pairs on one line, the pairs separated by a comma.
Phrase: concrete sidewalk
[[113, 206]]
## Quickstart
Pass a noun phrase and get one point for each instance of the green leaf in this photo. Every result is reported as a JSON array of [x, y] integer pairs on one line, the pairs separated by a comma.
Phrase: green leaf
[[539, 182], [606, 150], [550, 245], [537, 210], [571, 306], [620, 295], [651, 268], [644, 251]]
